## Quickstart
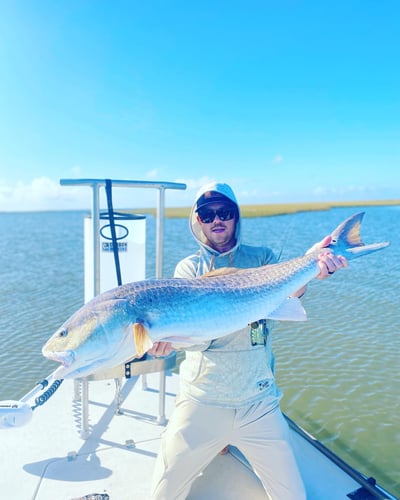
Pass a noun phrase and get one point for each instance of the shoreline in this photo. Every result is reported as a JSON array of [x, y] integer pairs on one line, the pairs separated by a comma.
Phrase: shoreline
[[266, 210], [254, 210]]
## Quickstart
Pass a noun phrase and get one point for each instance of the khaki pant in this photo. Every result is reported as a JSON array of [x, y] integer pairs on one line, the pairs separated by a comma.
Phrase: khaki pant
[[197, 433]]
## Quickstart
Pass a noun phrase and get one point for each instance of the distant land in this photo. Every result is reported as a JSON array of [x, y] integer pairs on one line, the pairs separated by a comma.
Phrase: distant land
[[277, 208]]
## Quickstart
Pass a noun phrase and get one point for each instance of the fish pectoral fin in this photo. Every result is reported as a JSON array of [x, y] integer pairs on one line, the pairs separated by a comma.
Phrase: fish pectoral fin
[[142, 339], [222, 271], [290, 310]]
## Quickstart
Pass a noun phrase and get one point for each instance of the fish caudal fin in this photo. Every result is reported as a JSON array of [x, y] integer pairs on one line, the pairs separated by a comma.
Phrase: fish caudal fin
[[346, 239], [142, 339]]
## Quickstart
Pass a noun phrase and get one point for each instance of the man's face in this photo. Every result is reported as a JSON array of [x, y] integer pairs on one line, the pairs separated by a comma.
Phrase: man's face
[[218, 223]]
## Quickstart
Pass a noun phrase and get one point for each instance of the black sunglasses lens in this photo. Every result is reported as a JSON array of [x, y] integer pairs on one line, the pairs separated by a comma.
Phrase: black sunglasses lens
[[207, 216], [224, 214]]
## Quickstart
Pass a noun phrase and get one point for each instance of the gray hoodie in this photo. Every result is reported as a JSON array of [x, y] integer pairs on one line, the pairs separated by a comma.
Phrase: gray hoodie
[[230, 372]]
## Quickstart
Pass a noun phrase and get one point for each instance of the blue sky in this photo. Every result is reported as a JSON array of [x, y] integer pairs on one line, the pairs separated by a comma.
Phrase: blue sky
[[285, 100]]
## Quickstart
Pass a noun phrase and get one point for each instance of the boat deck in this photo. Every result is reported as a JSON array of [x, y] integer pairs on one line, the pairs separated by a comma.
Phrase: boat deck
[[47, 459]]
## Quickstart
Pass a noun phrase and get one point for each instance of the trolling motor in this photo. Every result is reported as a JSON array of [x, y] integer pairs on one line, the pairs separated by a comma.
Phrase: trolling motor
[[18, 413], [14, 414]]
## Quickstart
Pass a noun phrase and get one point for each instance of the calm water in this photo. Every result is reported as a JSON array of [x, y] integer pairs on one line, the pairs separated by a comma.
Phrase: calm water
[[339, 370]]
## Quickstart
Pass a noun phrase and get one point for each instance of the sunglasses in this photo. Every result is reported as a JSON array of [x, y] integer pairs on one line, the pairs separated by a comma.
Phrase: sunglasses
[[207, 216]]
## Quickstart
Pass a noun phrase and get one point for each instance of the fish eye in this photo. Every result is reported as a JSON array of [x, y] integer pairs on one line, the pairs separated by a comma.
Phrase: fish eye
[[63, 332]]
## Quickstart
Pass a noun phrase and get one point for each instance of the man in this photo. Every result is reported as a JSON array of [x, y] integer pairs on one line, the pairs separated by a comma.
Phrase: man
[[228, 394]]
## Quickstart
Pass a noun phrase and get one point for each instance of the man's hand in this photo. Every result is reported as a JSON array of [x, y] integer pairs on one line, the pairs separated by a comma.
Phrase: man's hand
[[161, 349], [328, 262]]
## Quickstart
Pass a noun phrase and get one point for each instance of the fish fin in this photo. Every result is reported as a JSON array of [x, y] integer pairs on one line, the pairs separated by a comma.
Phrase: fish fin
[[142, 339], [346, 239], [290, 310], [220, 272], [348, 232]]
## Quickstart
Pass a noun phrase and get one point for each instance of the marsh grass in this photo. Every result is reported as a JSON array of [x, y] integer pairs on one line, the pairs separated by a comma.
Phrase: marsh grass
[[276, 208]]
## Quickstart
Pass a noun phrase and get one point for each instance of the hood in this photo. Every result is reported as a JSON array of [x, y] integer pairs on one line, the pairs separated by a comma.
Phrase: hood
[[195, 229]]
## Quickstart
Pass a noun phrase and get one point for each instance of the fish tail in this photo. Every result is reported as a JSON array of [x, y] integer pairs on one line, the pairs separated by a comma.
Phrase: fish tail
[[142, 339], [346, 239]]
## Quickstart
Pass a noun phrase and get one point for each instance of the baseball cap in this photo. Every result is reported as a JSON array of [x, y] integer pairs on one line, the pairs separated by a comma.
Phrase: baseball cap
[[212, 197]]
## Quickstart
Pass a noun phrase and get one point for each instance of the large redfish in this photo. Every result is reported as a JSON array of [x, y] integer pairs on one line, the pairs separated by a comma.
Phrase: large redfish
[[123, 323]]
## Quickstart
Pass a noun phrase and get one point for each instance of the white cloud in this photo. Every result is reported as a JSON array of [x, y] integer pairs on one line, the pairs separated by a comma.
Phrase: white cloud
[[44, 193], [152, 174], [196, 184], [41, 193], [76, 171], [278, 159], [340, 191], [186, 197]]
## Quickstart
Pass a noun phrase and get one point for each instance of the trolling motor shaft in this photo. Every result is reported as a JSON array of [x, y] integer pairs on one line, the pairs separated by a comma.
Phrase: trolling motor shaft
[[18, 413]]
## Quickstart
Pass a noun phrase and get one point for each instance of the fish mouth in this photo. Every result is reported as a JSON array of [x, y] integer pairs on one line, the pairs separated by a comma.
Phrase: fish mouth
[[72, 366], [66, 358]]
